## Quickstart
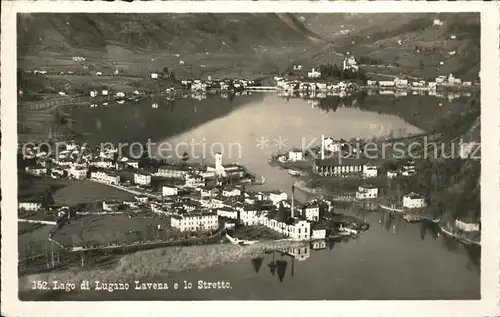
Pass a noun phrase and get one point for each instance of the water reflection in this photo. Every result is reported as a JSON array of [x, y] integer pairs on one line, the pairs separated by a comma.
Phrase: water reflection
[[390, 222]]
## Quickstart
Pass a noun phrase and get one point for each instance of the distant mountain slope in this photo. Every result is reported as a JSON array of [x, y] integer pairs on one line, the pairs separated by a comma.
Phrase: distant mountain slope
[[191, 44], [410, 42], [153, 31]]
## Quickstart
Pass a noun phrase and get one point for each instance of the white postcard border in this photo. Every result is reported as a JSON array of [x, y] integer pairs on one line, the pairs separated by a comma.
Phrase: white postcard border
[[490, 187]]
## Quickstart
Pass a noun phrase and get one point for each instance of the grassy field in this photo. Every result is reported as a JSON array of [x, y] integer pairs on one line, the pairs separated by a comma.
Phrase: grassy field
[[86, 191], [107, 229]]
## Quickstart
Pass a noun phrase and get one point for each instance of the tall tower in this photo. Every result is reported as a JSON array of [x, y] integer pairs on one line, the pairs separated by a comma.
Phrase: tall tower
[[293, 202], [219, 168]]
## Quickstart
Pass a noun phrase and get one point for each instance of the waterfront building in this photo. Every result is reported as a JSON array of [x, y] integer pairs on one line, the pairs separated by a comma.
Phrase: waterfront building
[[169, 191], [311, 212], [105, 177], [295, 155], [154, 75], [370, 171], [336, 167], [318, 233], [142, 179], [173, 171], [29, 205], [413, 200], [78, 172], [367, 192], [195, 222], [295, 229], [467, 226]]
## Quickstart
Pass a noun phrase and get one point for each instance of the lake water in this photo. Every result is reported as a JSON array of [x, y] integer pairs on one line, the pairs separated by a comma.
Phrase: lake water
[[392, 260]]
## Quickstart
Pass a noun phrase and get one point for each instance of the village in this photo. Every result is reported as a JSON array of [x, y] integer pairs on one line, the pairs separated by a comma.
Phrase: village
[[201, 201], [208, 200], [298, 81]]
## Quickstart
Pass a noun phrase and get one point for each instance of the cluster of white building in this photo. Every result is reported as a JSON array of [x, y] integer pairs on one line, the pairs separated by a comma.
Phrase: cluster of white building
[[310, 86], [402, 83]]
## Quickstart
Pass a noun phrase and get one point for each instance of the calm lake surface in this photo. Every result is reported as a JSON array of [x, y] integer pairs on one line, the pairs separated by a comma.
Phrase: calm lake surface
[[392, 260]]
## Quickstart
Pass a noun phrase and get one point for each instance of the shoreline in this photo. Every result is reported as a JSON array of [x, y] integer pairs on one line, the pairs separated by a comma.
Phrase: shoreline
[[160, 262]]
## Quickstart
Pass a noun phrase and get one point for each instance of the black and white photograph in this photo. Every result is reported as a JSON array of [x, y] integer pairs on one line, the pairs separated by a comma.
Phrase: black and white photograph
[[194, 156]]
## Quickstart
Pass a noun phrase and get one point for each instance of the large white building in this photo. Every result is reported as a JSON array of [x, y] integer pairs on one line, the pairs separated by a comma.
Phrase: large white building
[[103, 177], [169, 191], [367, 192], [195, 222], [142, 179], [297, 230], [413, 200], [336, 167]]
